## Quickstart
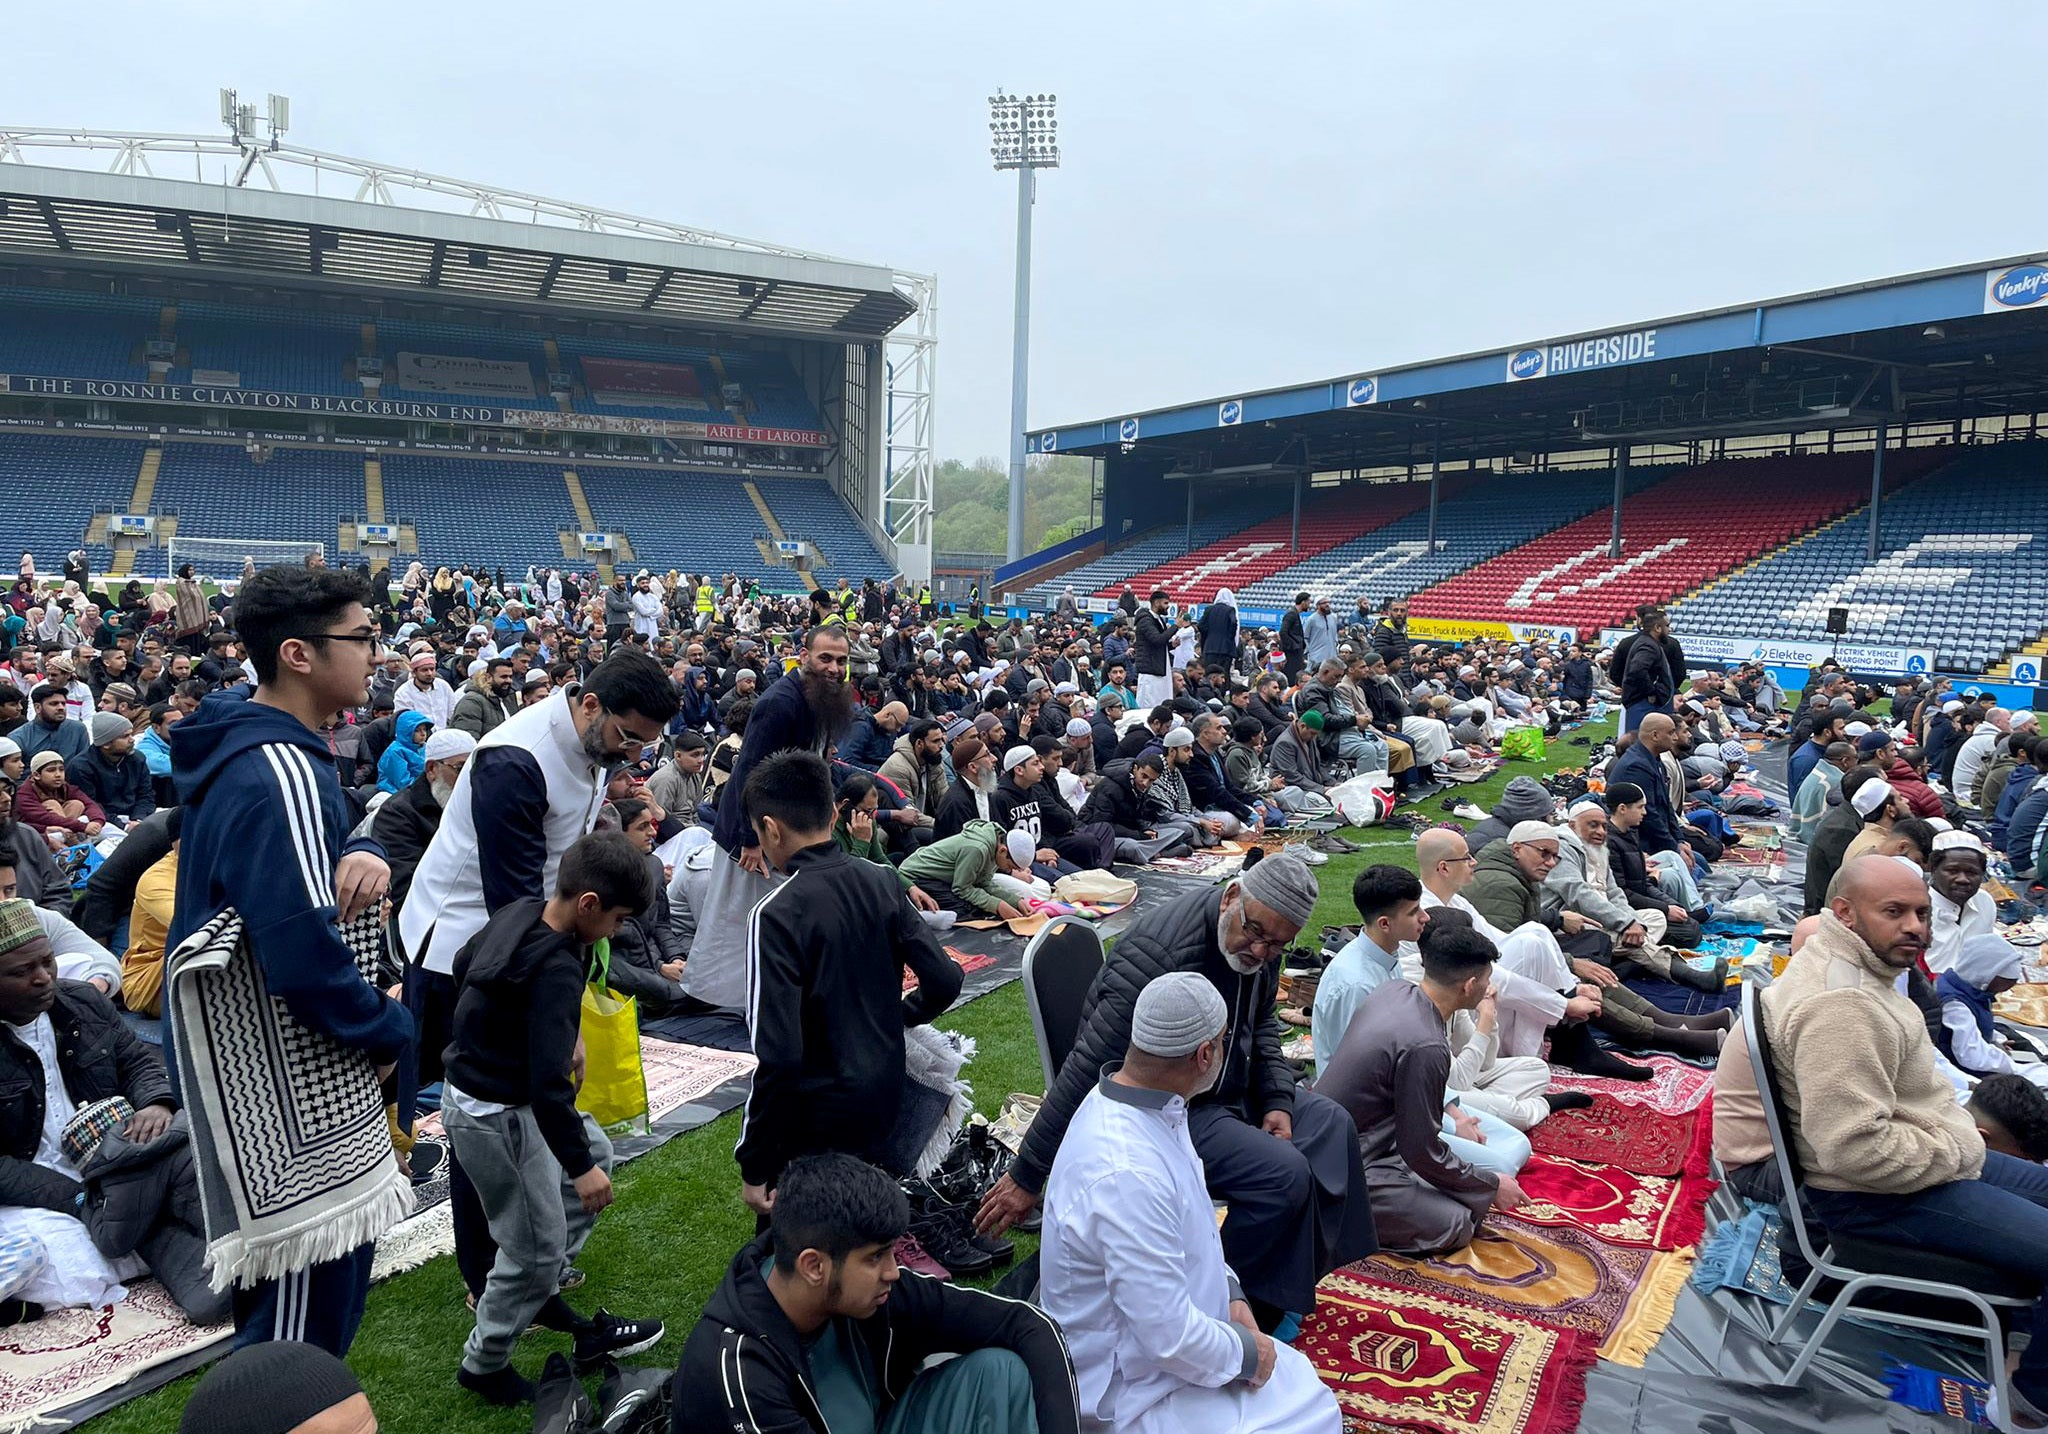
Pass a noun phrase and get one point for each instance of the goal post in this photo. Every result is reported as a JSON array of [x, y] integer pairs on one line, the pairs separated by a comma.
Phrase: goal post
[[223, 558]]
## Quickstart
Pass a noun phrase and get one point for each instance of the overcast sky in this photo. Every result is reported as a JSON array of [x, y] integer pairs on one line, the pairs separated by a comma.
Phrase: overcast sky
[[1252, 194]]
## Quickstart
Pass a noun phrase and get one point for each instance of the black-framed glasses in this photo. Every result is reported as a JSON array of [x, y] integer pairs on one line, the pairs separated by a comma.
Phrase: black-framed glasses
[[372, 641], [1255, 933]]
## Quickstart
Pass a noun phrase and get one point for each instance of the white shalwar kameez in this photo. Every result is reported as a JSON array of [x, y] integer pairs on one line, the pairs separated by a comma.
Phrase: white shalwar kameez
[[1532, 979], [1952, 925], [1132, 1267]]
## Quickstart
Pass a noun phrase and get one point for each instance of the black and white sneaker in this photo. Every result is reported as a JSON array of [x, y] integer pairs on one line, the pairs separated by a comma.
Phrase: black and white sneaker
[[612, 1337]]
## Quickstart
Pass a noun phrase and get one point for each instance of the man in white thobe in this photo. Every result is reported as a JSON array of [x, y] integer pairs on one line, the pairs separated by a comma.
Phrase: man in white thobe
[[1131, 1264]]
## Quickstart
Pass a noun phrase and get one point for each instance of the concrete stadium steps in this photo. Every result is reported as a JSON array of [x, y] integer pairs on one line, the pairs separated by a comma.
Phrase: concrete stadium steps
[[578, 501], [2037, 649], [1678, 533], [373, 489]]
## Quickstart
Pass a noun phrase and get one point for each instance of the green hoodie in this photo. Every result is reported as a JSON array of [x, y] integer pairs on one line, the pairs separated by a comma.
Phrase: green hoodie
[[965, 862]]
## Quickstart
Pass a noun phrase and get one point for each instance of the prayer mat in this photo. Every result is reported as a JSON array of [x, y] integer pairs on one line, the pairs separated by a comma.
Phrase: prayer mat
[[1403, 1361], [1746, 856], [1743, 1255], [677, 1075], [1675, 1088], [1611, 1132], [1651, 1212], [968, 962], [2026, 1004], [73, 1354], [1932, 1392], [1559, 1275]]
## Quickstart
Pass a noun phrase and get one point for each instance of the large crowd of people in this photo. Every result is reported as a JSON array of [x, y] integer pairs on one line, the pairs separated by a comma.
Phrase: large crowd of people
[[397, 826]]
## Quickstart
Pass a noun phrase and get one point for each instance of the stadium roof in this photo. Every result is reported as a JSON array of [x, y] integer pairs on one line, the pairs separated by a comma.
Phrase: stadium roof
[[182, 228], [1950, 344]]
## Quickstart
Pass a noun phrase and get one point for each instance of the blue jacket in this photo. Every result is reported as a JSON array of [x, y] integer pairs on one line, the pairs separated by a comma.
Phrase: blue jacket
[[265, 823], [865, 744], [1660, 829], [404, 759]]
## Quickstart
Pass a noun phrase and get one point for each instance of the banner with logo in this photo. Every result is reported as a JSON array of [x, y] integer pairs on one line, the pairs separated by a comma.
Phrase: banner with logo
[[452, 373], [225, 376], [1446, 630], [1578, 355], [195, 395], [1856, 656], [673, 385], [2021, 286]]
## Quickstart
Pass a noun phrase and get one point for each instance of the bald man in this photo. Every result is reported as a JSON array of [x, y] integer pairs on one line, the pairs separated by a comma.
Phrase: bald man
[[1642, 763], [1889, 1154]]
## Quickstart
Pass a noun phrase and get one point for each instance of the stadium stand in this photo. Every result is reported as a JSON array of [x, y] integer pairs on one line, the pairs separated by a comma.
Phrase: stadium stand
[[1677, 534], [53, 483], [519, 524], [296, 495], [713, 531], [1147, 550], [1474, 523], [104, 336], [1329, 517], [808, 508], [1960, 569]]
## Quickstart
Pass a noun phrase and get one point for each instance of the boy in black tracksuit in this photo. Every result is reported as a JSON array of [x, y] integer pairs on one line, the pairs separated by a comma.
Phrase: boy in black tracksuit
[[815, 1327], [540, 1167], [825, 1001]]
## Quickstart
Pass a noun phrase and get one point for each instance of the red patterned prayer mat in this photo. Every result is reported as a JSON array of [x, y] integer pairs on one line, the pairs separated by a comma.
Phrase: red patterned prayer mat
[[1406, 1361], [1615, 1205], [1674, 1089], [1614, 1132], [1618, 1296], [967, 963]]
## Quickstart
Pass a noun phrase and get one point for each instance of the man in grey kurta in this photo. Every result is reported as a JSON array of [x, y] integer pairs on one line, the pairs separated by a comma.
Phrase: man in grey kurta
[[1389, 1072]]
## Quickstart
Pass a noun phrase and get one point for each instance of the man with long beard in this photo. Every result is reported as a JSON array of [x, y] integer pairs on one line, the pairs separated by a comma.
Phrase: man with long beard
[[805, 711], [1284, 1159]]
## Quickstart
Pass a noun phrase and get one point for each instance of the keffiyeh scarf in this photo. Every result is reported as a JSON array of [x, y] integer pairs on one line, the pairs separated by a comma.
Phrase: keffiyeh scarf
[[293, 1153]]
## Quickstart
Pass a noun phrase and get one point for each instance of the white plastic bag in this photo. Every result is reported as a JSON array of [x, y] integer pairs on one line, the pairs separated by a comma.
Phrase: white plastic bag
[[1366, 800]]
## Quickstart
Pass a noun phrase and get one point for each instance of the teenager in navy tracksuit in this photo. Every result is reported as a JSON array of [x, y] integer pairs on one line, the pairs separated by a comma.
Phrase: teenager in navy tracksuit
[[265, 831]]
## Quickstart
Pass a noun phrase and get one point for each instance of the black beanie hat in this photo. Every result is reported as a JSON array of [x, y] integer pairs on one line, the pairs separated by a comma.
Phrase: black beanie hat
[[269, 1388]]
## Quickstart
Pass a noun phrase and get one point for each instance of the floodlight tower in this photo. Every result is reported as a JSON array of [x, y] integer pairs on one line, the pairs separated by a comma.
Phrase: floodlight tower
[[1024, 136]]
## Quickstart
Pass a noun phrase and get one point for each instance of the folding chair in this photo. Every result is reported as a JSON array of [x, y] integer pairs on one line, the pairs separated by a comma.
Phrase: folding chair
[[1059, 967], [1861, 1264]]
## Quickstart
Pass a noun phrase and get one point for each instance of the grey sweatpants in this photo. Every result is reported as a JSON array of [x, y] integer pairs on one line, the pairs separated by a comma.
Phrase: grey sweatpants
[[534, 1214]]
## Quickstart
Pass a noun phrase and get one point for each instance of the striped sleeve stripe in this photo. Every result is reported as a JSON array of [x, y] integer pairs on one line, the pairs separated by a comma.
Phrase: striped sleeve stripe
[[754, 994], [300, 795]]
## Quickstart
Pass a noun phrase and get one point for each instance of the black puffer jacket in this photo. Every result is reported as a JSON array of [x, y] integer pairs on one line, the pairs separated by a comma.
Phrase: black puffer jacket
[[644, 942], [98, 1057], [1115, 802], [1180, 936]]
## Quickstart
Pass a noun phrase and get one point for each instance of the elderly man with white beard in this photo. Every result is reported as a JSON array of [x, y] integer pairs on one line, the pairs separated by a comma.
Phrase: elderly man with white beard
[[1284, 1159], [1583, 881]]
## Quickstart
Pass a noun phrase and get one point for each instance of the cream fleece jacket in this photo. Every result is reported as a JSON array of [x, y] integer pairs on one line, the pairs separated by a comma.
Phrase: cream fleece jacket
[[1870, 1111]]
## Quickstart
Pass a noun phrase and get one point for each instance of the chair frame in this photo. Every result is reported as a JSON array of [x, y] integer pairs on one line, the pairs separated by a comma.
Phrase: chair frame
[[1987, 1329], [1045, 1061]]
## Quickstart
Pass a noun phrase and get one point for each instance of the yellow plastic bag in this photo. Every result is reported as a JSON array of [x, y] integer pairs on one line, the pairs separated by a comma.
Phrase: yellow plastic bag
[[614, 1092]]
